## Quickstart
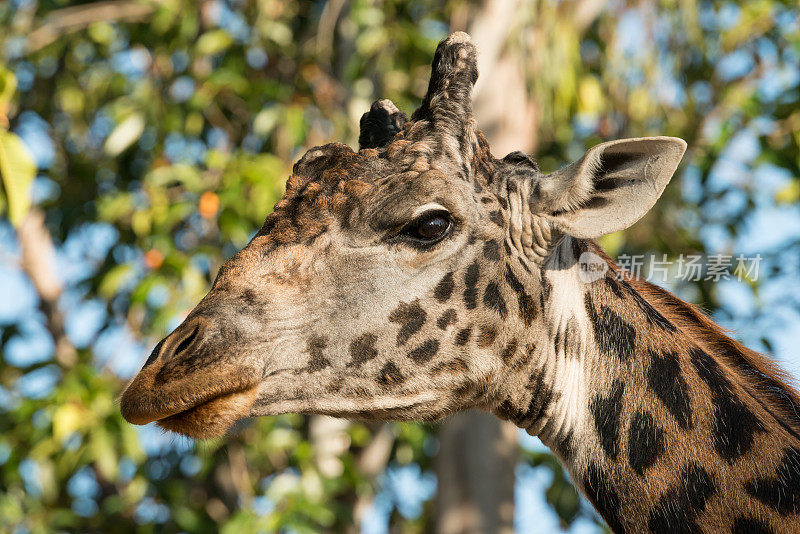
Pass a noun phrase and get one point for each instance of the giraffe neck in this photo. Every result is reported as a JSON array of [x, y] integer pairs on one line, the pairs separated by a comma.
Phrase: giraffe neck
[[664, 422]]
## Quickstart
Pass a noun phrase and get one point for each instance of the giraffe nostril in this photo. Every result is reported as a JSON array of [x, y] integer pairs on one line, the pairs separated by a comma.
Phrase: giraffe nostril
[[154, 354], [187, 341]]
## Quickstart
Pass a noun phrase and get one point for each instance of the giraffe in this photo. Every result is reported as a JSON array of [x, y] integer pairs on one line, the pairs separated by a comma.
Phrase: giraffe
[[421, 275]]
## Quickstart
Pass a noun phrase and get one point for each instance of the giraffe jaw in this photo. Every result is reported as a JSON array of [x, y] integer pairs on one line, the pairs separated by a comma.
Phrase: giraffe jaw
[[422, 406]]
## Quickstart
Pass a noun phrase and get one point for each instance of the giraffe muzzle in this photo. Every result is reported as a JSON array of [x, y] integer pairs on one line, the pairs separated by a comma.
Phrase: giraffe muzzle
[[192, 383]]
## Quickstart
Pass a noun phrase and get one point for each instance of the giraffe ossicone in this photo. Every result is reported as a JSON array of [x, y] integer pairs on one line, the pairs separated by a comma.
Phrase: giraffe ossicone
[[421, 275]]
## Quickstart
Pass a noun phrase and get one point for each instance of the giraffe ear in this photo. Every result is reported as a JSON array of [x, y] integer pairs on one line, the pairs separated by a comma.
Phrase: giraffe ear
[[380, 124], [611, 187]]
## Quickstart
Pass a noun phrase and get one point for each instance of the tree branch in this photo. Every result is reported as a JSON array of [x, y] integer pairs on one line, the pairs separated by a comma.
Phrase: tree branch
[[585, 12], [38, 263], [72, 19]]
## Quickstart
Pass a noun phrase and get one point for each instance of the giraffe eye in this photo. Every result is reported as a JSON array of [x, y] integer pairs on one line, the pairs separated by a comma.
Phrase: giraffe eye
[[430, 227]]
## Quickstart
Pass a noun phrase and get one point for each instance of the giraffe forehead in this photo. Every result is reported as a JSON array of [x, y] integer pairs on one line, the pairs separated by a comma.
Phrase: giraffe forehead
[[330, 181], [382, 187], [377, 198]]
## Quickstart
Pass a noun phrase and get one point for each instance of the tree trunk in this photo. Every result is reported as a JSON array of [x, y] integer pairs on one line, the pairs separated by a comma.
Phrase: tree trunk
[[505, 112], [475, 470]]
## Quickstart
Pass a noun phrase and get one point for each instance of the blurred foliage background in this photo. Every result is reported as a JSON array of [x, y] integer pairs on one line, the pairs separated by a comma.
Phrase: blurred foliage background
[[142, 142]]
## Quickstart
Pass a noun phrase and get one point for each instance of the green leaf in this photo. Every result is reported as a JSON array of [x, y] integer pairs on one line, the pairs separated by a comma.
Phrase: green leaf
[[8, 86], [124, 135], [18, 171], [115, 279], [101, 447], [179, 173], [213, 42], [789, 194]]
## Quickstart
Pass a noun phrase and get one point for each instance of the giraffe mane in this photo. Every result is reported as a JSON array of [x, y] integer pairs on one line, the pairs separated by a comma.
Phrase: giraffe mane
[[761, 377]]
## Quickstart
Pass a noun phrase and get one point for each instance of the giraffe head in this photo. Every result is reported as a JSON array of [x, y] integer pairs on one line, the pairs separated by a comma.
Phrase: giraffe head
[[385, 283]]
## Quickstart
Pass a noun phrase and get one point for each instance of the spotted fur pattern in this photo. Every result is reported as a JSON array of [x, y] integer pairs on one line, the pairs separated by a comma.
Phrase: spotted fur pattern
[[665, 423], [679, 429]]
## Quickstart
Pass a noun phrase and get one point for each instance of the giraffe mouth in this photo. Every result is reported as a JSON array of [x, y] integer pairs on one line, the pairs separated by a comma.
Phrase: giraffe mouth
[[198, 409], [213, 417]]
